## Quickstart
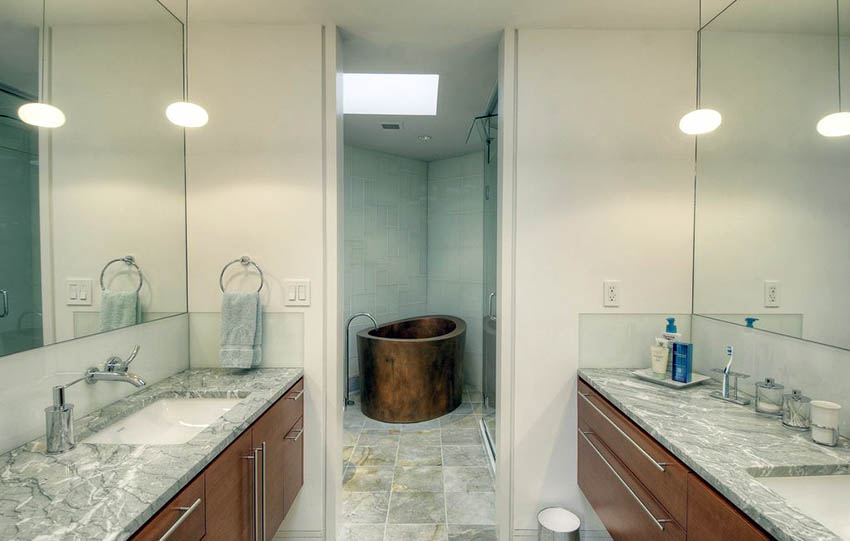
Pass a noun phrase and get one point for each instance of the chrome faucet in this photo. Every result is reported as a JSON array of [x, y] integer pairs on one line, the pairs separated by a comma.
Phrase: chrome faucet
[[115, 369], [59, 418]]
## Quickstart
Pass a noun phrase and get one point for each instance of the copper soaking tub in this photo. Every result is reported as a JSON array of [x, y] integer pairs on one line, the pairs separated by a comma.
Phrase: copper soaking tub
[[411, 370]]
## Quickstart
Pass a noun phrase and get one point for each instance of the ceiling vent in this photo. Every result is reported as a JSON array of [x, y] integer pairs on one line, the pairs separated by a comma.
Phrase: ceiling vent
[[391, 125]]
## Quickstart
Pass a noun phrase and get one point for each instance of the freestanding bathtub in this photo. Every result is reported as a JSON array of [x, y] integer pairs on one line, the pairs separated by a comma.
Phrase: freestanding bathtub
[[411, 370]]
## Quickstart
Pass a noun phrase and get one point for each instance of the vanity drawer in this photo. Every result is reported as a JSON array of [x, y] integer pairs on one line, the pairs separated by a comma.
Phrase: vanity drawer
[[186, 513], [626, 508], [712, 518], [292, 405], [662, 474]]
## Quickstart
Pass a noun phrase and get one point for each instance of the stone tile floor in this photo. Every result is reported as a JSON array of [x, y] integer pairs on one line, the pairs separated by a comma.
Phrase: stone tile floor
[[419, 481]]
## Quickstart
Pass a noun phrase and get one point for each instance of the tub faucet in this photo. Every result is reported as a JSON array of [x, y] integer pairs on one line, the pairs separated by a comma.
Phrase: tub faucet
[[346, 401], [115, 369], [59, 418]]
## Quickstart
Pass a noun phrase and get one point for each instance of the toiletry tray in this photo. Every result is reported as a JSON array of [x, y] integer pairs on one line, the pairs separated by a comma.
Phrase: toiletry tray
[[646, 374]]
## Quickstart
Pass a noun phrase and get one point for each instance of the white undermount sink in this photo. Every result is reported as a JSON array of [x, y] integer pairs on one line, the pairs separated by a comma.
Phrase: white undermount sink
[[168, 421], [822, 497]]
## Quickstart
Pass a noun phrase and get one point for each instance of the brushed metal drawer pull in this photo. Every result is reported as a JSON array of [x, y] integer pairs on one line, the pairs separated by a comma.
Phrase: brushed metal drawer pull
[[659, 465], [296, 396], [658, 521], [186, 512], [298, 435]]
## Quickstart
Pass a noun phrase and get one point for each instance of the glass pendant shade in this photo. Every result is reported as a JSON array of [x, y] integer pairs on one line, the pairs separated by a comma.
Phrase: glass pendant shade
[[187, 114], [700, 121], [42, 115], [835, 125]]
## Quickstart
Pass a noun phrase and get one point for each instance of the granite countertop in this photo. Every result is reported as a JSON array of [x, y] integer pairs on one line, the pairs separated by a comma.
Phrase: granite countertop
[[727, 445], [107, 491]]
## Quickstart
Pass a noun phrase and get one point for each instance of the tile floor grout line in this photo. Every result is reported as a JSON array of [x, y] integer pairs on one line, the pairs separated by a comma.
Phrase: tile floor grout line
[[392, 485], [443, 475]]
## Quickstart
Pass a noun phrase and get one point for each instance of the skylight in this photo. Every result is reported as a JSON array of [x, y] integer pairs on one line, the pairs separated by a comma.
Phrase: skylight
[[390, 94]]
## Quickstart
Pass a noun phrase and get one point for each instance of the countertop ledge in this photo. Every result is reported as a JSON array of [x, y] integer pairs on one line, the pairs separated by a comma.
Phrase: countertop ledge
[[99, 491], [726, 445]]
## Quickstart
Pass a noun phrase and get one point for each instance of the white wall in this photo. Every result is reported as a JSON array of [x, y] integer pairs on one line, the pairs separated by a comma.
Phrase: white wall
[[255, 186], [456, 250], [116, 168], [30, 375], [772, 193], [604, 190], [385, 239]]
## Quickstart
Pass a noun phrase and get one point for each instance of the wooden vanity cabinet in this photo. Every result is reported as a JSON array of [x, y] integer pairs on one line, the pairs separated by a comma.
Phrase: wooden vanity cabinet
[[230, 488], [232, 504], [268, 434], [712, 518], [185, 512], [293, 469], [640, 490]]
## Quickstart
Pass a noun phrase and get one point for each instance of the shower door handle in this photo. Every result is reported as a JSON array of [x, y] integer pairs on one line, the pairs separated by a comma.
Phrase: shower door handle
[[490, 305], [4, 303]]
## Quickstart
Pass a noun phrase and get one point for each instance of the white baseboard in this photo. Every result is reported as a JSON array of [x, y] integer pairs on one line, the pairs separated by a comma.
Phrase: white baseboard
[[598, 535], [299, 534]]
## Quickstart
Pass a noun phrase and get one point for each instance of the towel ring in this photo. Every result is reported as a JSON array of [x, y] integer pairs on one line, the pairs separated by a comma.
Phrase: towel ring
[[129, 260], [244, 260]]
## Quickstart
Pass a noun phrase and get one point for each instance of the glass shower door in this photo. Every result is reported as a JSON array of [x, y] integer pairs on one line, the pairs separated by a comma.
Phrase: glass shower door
[[490, 262], [20, 260]]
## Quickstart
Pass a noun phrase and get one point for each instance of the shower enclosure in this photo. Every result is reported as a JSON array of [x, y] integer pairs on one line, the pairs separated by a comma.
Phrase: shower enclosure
[[20, 262], [490, 131]]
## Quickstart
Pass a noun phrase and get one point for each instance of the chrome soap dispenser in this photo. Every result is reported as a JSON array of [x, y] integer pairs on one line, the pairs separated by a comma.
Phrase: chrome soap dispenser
[[59, 419]]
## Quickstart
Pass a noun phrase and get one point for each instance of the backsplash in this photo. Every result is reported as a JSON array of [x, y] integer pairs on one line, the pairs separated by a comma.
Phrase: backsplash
[[623, 340], [821, 372], [164, 352]]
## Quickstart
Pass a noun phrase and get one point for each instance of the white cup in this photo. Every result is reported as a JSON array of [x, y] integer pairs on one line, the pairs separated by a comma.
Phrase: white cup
[[825, 422]]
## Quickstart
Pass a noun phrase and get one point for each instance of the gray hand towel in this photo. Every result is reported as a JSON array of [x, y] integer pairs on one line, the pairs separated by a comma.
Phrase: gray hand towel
[[119, 309], [241, 330]]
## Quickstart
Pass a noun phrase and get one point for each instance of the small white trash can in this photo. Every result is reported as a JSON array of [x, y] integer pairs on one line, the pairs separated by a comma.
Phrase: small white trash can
[[557, 524]]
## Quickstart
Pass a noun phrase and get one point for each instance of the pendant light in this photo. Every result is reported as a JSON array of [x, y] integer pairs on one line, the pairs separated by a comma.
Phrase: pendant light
[[39, 113], [836, 124], [700, 121], [185, 113]]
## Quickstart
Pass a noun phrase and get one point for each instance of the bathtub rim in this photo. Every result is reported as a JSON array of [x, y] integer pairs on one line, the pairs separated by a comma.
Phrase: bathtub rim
[[460, 328]]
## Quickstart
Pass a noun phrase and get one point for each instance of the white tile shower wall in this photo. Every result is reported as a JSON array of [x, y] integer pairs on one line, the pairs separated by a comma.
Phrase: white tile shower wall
[[821, 372], [385, 235], [456, 250], [623, 340], [164, 352]]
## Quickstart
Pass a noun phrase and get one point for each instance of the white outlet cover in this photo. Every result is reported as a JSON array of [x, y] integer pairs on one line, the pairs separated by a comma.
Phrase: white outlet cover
[[611, 293], [772, 293]]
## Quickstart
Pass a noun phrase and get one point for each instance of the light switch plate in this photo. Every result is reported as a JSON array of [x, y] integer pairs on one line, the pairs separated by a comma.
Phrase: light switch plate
[[78, 291], [296, 292]]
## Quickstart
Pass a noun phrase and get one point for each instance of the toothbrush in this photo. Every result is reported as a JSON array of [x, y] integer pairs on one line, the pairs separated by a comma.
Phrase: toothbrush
[[727, 370]]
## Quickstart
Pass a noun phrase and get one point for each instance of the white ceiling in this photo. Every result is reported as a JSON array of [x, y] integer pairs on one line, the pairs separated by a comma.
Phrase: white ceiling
[[467, 69], [457, 39]]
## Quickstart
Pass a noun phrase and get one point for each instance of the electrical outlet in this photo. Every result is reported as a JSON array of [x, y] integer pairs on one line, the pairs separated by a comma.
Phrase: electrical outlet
[[611, 293], [772, 293]]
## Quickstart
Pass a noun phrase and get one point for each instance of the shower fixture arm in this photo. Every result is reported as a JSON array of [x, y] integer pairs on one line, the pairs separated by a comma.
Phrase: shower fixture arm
[[346, 400]]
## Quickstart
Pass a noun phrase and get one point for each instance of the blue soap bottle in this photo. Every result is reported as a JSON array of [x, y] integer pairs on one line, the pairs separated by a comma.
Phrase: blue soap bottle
[[683, 360]]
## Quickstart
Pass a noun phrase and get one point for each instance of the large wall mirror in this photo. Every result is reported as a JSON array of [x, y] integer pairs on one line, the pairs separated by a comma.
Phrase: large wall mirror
[[772, 239], [92, 213]]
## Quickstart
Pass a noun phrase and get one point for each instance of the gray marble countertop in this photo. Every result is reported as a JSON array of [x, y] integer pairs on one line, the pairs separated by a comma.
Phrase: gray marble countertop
[[99, 491], [727, 445]]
